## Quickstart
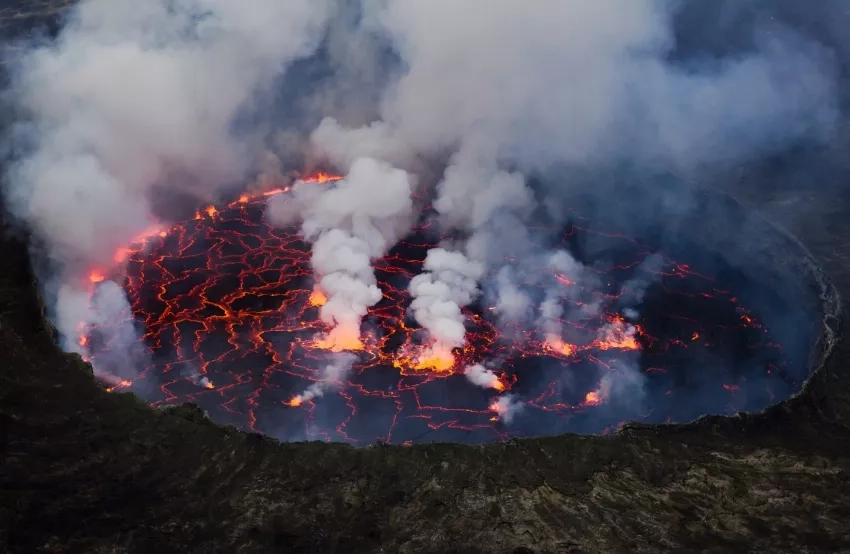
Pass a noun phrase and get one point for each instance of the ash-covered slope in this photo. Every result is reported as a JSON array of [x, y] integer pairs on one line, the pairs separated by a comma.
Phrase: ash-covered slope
[[88, 471]]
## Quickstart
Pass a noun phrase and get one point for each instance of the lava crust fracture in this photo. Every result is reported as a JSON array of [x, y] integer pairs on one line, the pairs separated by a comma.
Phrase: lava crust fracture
[[228, 311]]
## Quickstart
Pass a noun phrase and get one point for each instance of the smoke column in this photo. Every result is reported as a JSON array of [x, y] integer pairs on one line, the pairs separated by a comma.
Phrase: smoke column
[[469, 197], [483, 377], [332, 374], [449, 282], [506, 407], [350, 223]]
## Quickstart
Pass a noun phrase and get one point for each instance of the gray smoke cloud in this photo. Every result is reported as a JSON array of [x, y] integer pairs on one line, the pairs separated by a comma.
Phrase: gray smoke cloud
[[132, 102], [571, 280], [504, 85], [581, 83]]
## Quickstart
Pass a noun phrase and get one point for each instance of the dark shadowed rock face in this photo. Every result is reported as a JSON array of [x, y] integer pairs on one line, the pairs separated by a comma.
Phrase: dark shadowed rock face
[[86, 471]]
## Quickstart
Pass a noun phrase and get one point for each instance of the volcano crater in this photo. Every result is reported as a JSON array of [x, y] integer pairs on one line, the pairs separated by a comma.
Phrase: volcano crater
[[730, 321]]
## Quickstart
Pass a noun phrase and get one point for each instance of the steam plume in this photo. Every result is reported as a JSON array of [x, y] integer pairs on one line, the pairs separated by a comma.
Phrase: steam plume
[[483, 377], [448, 283], [332, 374], [133, 101], [350, 223], [507, 407], [512, 304], [578, 84], [570, 278], [582, 83]]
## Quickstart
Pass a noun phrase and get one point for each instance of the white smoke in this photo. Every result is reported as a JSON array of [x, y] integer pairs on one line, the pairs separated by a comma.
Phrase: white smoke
[[109, 313], [472, 192], [346, 145], [131, 98], [507, 407], [561, 83], [634, 290], [617, 332], [512, 303], [623, 385], [470, 196], [571, 280], [332, 375], [483, 377], [631, 314], [449, 282], [580, 83], [73, 316], [342, 263], [351, 222], [190, 370], [135, 99]]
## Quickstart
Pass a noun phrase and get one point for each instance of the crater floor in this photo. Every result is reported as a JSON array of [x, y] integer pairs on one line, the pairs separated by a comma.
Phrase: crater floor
[[229, 319]]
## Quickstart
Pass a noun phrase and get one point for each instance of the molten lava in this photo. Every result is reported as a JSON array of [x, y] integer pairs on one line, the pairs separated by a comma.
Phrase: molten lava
[[618, 335], [340, 339], [436, 358], [592, 399], [555, 344], [318, 297], [226, 299]]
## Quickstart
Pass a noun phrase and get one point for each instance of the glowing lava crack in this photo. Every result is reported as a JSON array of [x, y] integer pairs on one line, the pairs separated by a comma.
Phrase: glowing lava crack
[[228, 313]]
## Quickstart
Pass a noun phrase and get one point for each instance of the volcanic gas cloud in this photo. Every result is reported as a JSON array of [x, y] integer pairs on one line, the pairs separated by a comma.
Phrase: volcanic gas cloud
[[429, 291]]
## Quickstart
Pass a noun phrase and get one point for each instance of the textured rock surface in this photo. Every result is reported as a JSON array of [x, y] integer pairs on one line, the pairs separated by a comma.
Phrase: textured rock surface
[[86, 471]]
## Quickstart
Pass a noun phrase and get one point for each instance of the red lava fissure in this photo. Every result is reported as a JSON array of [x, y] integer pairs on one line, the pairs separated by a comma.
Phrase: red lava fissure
[[230, 319]]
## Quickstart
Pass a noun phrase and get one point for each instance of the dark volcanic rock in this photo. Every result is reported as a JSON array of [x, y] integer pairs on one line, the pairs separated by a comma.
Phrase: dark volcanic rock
[[82, 470]]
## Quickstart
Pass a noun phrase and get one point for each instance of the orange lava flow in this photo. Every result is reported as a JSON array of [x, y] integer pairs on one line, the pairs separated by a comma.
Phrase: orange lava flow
[[229, 309], [436, 358], [592, 399], [318, 297], [555, 344], [340, 339]]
